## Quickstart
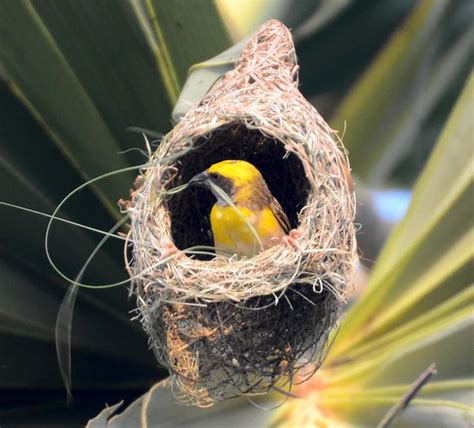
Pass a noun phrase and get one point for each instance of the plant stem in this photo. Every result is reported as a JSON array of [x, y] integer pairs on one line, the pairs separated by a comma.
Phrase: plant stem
[[399, 407]]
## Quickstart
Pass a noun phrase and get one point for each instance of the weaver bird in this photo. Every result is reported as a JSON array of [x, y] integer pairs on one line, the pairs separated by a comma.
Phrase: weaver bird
[[252, 204]]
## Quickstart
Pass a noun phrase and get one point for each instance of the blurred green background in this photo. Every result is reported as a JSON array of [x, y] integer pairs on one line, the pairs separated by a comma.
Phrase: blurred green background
[[76, 76]]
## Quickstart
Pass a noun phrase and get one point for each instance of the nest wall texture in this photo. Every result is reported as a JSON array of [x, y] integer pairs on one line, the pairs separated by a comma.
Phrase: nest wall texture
[[226, 326]]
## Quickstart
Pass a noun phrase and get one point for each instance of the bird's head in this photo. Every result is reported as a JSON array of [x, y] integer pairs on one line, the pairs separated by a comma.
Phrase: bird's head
[[237, 178]]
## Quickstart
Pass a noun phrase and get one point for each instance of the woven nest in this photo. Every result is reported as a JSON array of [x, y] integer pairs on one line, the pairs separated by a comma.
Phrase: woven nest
[[226, 327]]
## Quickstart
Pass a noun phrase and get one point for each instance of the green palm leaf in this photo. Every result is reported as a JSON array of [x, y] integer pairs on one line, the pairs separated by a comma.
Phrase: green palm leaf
[[75, 75]]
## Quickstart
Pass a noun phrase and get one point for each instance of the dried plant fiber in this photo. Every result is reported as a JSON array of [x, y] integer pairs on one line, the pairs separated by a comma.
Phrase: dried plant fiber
[[226, 327]]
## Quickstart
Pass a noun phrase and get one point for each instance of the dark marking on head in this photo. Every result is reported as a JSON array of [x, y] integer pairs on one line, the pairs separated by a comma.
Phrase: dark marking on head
[[223, 182]]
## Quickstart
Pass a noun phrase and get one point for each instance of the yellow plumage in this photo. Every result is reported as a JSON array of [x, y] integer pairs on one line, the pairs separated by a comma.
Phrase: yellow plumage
[[233, 235], [256, 206]]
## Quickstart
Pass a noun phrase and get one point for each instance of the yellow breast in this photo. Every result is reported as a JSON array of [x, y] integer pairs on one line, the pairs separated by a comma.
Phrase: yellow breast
[[232, 235]]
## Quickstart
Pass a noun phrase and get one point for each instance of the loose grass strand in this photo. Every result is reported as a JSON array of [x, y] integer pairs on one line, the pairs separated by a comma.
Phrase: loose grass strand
[[63, 325], [63, 220], [54, 217]]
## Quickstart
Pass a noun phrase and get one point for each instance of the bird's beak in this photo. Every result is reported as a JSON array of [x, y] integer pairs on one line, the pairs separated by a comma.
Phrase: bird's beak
[[199, 179]]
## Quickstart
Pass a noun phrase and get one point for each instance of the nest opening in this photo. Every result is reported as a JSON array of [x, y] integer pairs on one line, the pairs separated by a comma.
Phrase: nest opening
[[283, 172]]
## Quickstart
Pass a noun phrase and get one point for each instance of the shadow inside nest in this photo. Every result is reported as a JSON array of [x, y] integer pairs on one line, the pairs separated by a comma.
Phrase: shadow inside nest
[[283, 172]]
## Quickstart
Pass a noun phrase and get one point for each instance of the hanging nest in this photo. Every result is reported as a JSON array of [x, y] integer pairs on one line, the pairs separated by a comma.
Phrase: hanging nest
[[227, 327]]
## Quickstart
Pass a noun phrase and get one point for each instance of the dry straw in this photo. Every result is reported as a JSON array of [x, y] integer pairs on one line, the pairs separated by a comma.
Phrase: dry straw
[[226, 327]]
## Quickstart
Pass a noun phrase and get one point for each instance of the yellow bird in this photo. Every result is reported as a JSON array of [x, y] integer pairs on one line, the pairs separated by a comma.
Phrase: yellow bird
[[253, 204]]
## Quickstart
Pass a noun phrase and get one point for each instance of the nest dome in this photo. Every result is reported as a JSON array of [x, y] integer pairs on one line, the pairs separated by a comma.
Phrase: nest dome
[[226, 327]]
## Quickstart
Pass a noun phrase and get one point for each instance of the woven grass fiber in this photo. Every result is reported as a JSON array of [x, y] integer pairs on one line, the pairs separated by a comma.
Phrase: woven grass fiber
[[224, 326]]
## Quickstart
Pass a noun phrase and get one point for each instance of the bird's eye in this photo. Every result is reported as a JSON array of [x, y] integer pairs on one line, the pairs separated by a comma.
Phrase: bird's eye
[[214, 176]]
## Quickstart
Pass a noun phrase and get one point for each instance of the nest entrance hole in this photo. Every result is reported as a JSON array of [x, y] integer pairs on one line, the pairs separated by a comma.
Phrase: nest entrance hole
[[283, 172]]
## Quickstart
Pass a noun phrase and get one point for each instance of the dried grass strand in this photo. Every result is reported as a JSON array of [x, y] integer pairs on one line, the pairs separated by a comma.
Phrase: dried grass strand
[[229, 326]]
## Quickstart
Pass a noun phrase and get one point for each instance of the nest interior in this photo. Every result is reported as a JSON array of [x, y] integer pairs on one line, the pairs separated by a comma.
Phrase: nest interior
[[283, 172]]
